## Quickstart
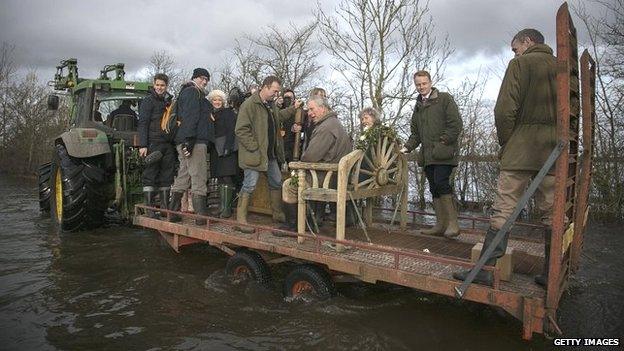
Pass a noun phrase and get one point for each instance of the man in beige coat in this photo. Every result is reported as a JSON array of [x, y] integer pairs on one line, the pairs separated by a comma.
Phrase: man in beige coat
[[329, 142]]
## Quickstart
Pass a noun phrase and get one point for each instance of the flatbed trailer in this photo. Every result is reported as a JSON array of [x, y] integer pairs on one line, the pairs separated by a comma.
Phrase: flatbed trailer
[[386, 253]]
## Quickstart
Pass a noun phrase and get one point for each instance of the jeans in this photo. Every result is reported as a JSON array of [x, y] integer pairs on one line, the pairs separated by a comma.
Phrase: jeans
[[274, 176]]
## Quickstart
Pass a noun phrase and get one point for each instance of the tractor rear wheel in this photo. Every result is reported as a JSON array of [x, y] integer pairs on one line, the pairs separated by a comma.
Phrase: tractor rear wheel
[[77, 192], [45, 188]]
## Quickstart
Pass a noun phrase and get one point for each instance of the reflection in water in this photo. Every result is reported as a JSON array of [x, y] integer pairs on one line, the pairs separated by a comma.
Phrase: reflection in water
[[123, 288]]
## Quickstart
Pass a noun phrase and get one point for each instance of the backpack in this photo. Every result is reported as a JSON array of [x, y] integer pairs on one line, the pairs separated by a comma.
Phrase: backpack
[[169, 122]]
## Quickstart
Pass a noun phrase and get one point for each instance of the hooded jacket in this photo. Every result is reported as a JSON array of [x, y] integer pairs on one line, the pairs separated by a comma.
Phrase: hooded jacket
[[526, 110]]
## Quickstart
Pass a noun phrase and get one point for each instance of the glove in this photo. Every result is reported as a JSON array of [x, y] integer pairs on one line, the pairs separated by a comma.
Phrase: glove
[[187, 147]]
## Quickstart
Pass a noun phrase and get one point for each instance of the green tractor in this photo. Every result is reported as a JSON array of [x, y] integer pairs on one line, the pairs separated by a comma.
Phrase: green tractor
[[95, 168]]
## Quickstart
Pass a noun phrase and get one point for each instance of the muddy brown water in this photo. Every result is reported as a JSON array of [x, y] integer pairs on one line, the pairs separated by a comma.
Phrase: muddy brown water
[[122, 288]]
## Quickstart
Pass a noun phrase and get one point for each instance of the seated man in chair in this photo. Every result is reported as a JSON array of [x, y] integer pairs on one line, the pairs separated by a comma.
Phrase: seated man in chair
[[328, 143]]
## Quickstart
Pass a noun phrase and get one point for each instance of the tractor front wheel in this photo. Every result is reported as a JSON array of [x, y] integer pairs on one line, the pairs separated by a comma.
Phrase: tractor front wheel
[[77, 200]]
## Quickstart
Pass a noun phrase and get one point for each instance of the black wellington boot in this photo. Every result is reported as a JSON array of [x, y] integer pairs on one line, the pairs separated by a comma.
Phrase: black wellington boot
[[542, 279], [165, 193], [199, 204], [149, 194], [486, 277], [290, 224], [175, 205]]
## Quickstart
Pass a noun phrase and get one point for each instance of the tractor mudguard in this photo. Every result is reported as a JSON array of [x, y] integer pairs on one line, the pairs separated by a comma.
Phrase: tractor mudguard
[[85, 142]]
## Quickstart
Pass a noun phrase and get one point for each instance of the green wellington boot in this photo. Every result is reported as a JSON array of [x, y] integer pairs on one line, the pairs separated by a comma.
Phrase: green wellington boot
[[440, 226]]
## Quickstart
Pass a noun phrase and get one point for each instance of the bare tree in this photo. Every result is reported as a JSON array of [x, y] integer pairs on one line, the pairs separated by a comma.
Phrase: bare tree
[[7, 70], [377, 45], [289, 54], [606, 40], [164, 62]]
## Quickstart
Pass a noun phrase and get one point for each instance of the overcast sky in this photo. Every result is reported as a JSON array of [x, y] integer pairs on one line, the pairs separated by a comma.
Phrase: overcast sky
[[200, 33]]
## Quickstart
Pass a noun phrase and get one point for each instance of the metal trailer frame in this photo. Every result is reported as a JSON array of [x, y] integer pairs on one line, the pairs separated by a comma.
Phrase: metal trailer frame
[[535, 307]]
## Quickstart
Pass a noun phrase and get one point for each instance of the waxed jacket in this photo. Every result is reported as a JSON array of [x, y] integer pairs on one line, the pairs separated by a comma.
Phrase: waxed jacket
[[526, 110], [252, 133], [329, 141], [150, 112], [436, 125]]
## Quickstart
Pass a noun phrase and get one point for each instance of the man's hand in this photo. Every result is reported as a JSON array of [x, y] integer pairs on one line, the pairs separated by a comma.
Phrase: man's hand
[[403, 150], [279, 101], [296, 128], [143, 152], [187, 147]]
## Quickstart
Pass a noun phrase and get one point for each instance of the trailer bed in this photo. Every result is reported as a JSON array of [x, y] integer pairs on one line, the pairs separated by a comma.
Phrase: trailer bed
[[392, 255]]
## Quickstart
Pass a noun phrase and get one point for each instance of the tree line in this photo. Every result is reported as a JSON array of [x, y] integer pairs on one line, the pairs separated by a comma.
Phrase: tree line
[[375, 46]]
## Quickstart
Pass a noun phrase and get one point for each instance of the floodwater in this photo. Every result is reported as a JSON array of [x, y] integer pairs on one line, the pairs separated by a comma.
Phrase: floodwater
[[122, 288]]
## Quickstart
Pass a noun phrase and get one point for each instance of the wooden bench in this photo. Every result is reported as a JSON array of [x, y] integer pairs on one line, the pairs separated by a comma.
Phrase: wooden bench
[[380, 170]]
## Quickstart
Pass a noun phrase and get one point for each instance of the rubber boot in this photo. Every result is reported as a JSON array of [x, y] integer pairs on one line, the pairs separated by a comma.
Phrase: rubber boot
[[290, 224], [241, 213], [448, 205], [175, 205], [149, 193], [486, 277], [226, 193], [542, 279], [440, 227], [276, 205], [165, 193], [199, 204]]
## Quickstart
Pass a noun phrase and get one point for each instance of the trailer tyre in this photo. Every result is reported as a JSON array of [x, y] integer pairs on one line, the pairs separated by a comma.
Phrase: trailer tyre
[[248, 265], [77, 192], [45, 188], [309, 279]]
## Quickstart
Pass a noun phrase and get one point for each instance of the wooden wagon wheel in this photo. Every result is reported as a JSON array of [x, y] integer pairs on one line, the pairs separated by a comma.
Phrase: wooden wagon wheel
[[379, 166]]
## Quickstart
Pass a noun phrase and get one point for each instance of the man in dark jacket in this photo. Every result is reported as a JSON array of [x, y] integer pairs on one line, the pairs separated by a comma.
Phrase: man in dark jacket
[[124, 109], [157, 174], [287, 100], [328, 143], [192, 137], [525, 116], [436, 126], [260, 147]]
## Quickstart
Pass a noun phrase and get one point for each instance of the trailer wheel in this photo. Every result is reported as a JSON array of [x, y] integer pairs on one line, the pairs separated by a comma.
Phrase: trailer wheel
[[248, 265], [309, 279], [77, 196], [45, 188]]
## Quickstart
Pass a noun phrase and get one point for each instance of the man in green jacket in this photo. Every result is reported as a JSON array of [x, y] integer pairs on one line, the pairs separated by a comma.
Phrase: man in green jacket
[[436, 126], [525, 116], [260, 146]]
